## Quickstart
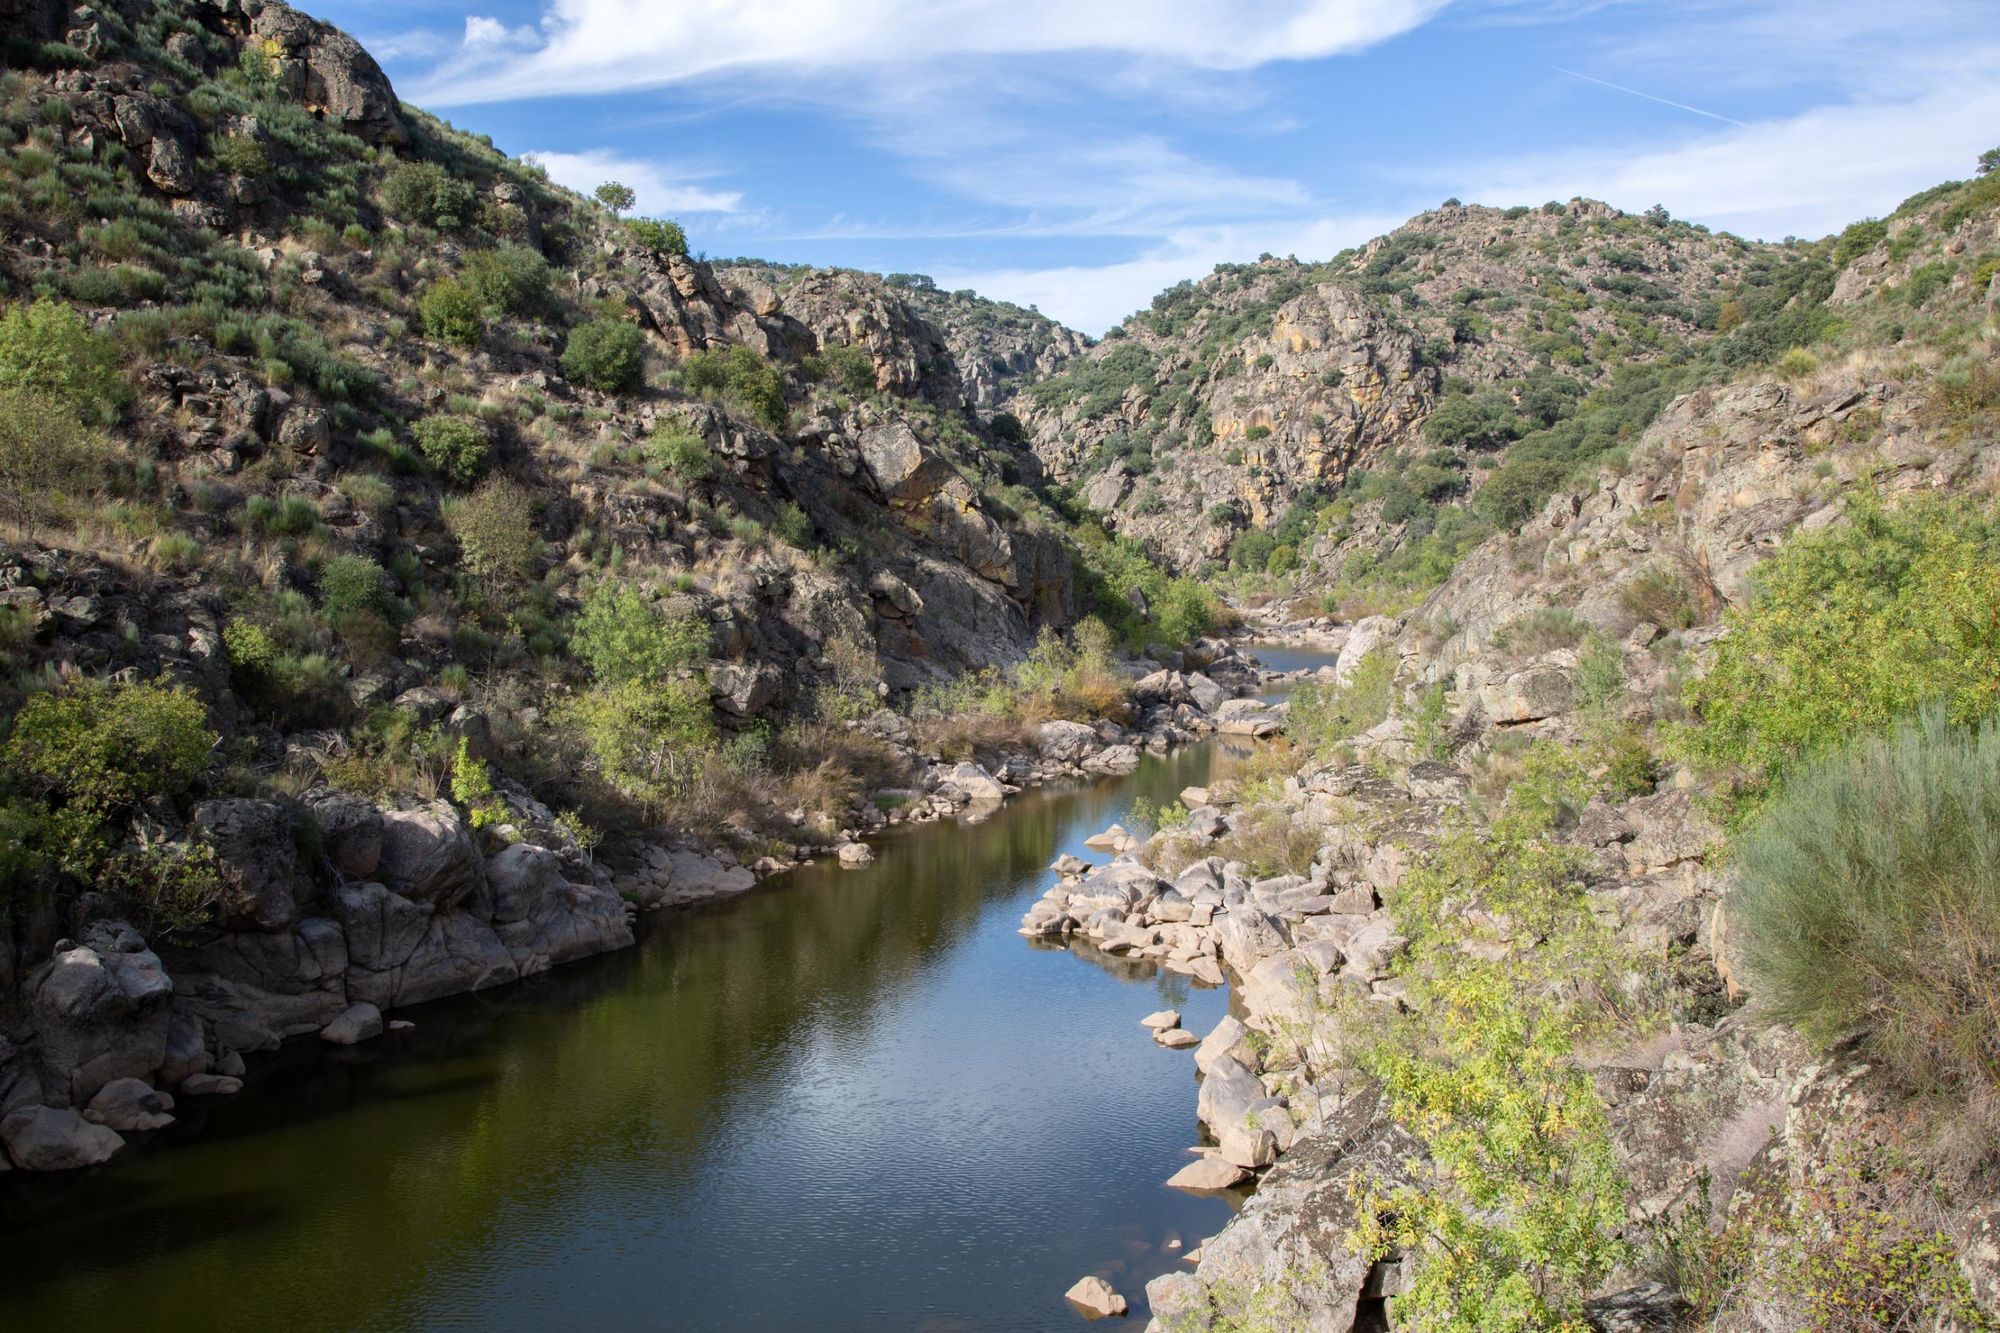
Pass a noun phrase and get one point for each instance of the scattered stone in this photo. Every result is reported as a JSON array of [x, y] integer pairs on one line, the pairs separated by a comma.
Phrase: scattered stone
[[1094, 1298], [1176, 1038], [361, 1022], [1165, 1018], [1113, 839]]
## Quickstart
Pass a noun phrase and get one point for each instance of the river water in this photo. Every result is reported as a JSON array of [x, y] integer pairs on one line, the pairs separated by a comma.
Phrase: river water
[[849, 1100]]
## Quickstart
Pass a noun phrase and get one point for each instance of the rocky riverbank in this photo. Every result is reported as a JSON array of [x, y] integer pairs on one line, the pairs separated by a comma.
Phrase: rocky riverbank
[[378, 910]]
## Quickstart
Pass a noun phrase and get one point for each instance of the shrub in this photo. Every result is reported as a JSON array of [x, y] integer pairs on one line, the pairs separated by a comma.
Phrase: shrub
[[453, 312], [742, 377], [1322, 716], [621, 636], [1541, 630], [681, 452], [495, 528], [1660, 595], [425, 193], [1868, 896], [512, 278], [349, 584], [661, 236], [793, 527], [646, 740], [1849, 629], [93, 753], [852, 370], [454, 446], [48, 350], [607, 354], [46, 456]]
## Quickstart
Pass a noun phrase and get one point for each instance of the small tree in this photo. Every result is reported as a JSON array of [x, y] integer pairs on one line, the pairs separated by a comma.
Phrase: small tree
[[1989, 161], [607, 354], [616, 197], [45, 455], [623, 637]]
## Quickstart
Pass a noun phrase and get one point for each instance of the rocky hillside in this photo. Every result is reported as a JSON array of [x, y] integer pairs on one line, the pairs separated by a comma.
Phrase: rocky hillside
[[406, 565], [1428, 359]]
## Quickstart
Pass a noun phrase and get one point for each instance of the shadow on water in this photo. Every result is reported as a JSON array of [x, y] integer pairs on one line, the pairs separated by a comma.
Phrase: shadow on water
[[847, 1100]]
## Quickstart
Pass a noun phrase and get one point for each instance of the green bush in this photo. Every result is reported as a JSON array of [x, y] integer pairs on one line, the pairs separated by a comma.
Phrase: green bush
[[46, 456], [512, 279], [1849, 629], [615, 196], [849, 368], [94, 753], [47, 349], [646, 740], [793, 527], [1867, 897], [349, 584], [742, 377], [681, 452], [425, 193], [623, 637], [454, 446], [661, 236], [607, 354], [453, 312], [495, 529]]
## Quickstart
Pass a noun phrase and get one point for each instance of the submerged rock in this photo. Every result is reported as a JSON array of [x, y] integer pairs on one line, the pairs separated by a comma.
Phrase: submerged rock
[[1095, 1298], [361, 1022]]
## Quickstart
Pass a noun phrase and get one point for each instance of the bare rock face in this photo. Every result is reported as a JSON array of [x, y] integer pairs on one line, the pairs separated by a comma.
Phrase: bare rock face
[[263, 883], [329, 73]]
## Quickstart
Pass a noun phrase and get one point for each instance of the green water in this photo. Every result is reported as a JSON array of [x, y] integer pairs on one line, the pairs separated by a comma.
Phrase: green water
[[849, 1100]]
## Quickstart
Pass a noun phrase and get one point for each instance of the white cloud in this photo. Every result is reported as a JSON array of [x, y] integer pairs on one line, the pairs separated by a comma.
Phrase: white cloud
[[606, 45], [1092, 298], [489, 34], [660, 195], [1803, 175]]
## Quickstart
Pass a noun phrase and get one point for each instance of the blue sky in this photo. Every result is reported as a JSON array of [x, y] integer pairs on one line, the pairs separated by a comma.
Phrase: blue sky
[[1082, 154]]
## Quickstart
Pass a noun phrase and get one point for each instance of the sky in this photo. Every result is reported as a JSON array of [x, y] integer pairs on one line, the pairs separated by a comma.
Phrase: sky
[[1082, 155]]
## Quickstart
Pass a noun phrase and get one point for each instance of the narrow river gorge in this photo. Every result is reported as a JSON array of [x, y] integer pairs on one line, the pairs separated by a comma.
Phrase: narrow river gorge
[[852, 1099]]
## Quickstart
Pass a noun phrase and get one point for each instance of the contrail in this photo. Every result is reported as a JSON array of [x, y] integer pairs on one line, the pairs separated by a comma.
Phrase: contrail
[[1619, 87]]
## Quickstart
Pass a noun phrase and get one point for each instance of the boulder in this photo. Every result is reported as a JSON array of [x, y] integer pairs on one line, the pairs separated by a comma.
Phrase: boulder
[[1094, 1297], [1207, 1173], [1252, 1148], [129, 1105], [1228, 1039], [1065, 742], [328, 73], [976, 783], [1204, 693], [359, 1022], [1248, 935], [428, 855], [1232, 1097], [1175, 1039], [1117, 759], [1113, 839], [102, 1009], [1164, 1019], [211, 1085], [854, 855], [49, 1138]]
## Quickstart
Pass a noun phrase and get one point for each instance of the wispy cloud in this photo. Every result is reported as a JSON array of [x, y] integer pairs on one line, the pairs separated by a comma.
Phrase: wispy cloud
[[660, 193], [599, 46], [1650, 97]]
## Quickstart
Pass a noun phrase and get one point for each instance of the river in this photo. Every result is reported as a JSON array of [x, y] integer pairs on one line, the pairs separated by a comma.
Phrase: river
[[849, 1100]]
